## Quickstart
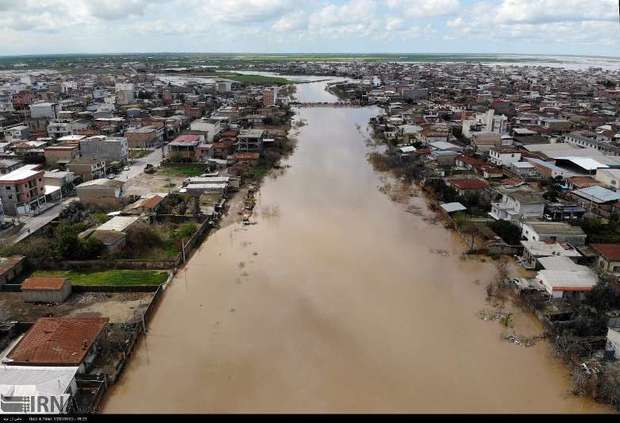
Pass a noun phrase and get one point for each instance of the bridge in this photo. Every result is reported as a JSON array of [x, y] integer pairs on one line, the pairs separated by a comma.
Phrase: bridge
[[325, 104]]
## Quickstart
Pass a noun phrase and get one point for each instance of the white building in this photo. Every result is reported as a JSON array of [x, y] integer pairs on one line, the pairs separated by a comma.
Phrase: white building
[[485, 122], [504, 156], [518, 205]]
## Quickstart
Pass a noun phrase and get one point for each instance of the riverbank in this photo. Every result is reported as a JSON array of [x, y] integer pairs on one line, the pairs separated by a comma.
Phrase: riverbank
[[481, 238], [336, 300]]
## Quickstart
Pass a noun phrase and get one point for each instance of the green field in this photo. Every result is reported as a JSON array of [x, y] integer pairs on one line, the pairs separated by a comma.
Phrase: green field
[[255, 79], [111, 277], [182, 169]]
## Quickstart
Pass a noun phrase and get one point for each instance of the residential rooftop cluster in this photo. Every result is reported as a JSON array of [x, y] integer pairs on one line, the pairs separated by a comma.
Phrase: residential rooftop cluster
[[108, 181]]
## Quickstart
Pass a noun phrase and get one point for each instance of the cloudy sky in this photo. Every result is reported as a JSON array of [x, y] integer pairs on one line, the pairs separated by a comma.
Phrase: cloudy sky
[[311, 26]]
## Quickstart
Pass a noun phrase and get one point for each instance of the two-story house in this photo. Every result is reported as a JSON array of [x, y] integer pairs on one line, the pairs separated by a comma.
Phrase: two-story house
[[516, 206]]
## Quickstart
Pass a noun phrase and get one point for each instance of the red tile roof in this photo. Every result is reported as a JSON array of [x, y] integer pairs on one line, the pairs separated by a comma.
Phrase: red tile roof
[[43, 283], [472, 161], [608, 251], [187, 138], [57, 341], [469, 184]]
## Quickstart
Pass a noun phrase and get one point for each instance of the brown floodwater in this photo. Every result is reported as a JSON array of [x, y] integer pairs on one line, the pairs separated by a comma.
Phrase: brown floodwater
[[337, 300]]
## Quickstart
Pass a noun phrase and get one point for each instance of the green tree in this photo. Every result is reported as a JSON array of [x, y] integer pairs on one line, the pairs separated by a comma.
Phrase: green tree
[[509, 232]]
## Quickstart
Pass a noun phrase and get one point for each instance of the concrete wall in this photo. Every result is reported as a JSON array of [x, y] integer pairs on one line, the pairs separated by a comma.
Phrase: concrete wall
[[47, 296], [613, 338]]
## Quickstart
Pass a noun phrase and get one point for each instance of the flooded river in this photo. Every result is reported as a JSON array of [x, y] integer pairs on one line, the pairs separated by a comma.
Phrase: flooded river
[[337, 300]]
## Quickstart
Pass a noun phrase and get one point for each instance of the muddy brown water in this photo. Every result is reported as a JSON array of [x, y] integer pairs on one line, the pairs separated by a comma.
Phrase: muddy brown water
[[337, 300]]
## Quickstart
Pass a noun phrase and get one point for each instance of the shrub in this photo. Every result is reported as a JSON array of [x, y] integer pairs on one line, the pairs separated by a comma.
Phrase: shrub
[[141, 238], [183, 232]]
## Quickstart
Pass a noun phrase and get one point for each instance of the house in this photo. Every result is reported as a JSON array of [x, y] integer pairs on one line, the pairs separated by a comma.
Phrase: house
[[46, 290], [597, 200], [22, 191], [17, 133], [58, 178], [553, 232], [148, 204], [466, 186], [87, 168], [144, 137], [110, 149], [504, 156], [8, 166], [608, 257], [250, 140], [59, 342], [608, 177], [578, 182], [558, 212], [105, 193], [568, 283], [484, 142], [516, 206], [185, 146], [535, 250], [209, 128], [10, 268], [119, 223], [44, 111], [524, 169], [61, 154]]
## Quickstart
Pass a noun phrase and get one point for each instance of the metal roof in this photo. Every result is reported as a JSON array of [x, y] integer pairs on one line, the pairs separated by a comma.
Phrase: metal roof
[[597, 194], [585, 163], [118, 223], [453, 207]]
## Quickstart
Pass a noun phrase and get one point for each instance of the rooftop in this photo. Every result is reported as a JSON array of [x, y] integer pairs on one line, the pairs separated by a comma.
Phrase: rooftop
[[20, 174], [118, 223], [8, 263], [57, 341], [43, 283], [608, 251], [551, 228], [598, 194], [469, 183]]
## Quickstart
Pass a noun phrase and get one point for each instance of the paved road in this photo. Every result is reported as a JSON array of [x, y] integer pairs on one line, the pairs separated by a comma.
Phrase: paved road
[[138, 166], [34, 223]]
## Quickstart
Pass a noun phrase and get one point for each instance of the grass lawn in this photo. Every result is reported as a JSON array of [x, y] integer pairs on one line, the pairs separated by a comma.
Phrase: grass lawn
[[182, 169], [111, 277]]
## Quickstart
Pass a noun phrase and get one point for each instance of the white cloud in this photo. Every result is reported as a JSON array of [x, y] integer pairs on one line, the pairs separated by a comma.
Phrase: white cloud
[[350, 25], [539, 21], [292, 22], [424, 8], [116, 9], [549, 11], [246, 11]]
